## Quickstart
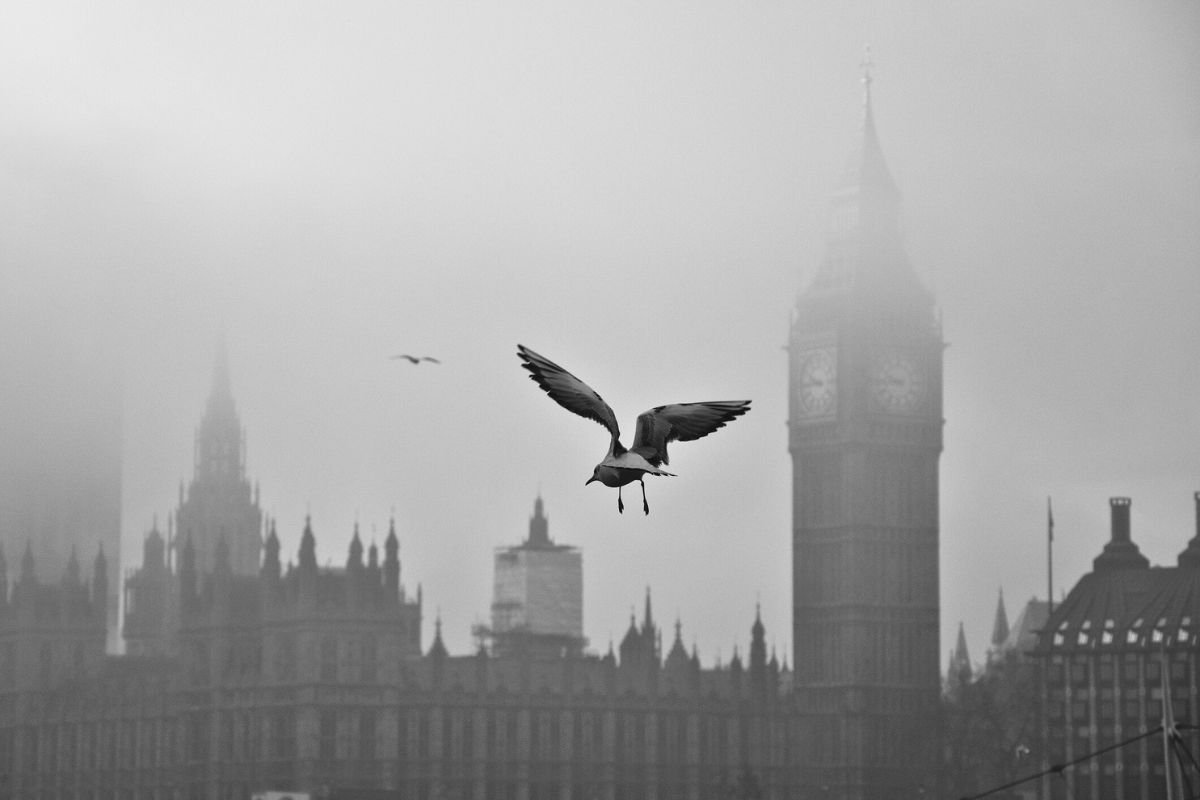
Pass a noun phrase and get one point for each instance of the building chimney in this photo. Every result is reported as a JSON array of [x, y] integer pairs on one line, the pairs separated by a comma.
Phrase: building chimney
[[1120, 518], [1120, 552]]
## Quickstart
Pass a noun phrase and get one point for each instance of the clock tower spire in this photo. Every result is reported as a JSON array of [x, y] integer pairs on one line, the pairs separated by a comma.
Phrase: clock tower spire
[[865, 434]]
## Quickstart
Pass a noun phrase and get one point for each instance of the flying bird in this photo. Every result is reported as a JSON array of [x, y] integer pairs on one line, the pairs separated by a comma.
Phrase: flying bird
[[416, 359], [655, 428]]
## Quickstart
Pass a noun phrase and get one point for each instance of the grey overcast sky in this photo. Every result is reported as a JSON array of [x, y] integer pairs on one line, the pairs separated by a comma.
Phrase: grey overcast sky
[[636, 190]]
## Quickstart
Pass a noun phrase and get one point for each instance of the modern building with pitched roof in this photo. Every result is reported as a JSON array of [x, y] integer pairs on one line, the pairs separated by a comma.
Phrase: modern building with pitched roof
[[1117, 657]]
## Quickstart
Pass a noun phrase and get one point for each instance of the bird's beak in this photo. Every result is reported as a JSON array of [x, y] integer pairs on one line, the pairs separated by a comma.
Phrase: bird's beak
[[589, 480]]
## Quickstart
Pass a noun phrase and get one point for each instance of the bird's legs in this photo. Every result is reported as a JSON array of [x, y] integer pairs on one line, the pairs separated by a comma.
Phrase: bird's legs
[[645, 505], [620, 502]]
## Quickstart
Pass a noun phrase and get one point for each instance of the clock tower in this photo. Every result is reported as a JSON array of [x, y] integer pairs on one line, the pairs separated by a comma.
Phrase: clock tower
[[865, 434]]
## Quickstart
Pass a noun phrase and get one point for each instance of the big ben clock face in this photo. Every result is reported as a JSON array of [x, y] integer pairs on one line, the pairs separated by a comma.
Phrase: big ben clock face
[[818, 383], [897, 383]]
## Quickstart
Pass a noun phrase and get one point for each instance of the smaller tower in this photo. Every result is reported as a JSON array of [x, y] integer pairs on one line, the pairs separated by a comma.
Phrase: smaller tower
[[538, 596], [308, 548], [391, 562], [1000, 629], [220, 501], [758, 655], [271, 569], [958, 672], [151, 601], [354, 560]]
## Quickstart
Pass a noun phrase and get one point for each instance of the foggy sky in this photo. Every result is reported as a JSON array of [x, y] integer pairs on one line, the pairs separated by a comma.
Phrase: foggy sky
[[637, 191]]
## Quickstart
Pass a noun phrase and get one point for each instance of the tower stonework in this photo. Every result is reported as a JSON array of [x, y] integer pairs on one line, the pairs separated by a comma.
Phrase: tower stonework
[[865, 434]]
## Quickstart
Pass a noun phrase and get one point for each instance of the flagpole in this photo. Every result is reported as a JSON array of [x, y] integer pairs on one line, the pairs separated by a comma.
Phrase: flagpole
[[1049, 559]]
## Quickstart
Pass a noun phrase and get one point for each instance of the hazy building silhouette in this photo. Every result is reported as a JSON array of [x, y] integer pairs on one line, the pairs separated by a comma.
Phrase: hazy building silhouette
[[219, 503], [865, 426], [311, 679], [51, 631], [152, 601], [958, 667], [538, 593], [218, 518], [60, 453]]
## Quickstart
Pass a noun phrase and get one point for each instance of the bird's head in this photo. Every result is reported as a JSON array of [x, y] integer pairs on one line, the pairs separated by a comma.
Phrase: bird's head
[[595, 475]]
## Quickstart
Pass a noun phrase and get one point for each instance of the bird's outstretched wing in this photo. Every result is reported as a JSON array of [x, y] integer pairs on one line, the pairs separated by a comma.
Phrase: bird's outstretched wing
[[415, 359], [683, 422], [568, 391]]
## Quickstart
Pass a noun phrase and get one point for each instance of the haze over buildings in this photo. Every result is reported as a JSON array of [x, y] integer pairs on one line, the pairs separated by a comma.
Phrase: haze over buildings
[[61, 454], [331, 188]]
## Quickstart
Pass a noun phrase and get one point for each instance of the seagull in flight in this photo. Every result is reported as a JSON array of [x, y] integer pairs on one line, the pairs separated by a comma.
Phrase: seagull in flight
[[416, 359], [655, 428]]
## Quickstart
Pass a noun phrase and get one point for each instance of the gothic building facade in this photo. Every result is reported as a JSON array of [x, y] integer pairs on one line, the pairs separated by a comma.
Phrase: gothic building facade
[[309, 679], [312, 680], [865, 427]]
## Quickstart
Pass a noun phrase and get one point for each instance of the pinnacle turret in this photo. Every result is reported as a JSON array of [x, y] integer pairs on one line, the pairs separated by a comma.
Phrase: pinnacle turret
[[308, 547], [391, 560], [1000, 624], [539, 526], [437, 650], [758, 645], [355, 559], [271, 566]]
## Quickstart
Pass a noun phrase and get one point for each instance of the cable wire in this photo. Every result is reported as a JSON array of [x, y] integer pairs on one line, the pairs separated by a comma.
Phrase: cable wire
[[1058, 768]]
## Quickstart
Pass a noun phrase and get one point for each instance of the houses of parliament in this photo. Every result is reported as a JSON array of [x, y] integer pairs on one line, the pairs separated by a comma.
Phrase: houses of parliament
[[241, 675]]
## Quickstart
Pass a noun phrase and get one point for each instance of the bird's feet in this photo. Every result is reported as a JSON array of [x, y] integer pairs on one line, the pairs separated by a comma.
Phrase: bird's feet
[[620, 502], [645, 505]]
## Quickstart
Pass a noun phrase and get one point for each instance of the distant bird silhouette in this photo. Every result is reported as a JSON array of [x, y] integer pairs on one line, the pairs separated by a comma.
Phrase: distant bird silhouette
[[655, 428], [416, 359]]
